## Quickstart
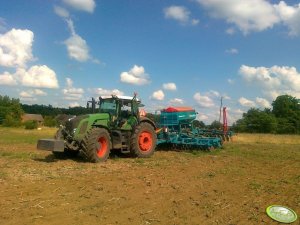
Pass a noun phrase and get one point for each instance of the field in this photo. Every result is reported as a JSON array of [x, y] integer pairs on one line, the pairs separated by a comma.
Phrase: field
[[233, 185]]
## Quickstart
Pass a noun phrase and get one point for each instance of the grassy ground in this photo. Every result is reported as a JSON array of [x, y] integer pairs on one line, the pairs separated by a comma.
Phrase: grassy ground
[[233, 185]]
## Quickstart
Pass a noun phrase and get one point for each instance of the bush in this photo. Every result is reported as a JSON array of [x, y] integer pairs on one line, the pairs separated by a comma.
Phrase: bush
[[31, 124], [10, 121], [49, 121]]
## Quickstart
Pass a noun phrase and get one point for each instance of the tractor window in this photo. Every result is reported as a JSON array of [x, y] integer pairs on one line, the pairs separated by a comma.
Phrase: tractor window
[[108, 106]]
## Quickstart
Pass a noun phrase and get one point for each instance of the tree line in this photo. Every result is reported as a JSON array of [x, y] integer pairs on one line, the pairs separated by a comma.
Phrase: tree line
[[283, 118]]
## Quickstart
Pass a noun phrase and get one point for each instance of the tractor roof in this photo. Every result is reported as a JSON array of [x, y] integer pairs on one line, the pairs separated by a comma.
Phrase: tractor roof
[[127, 99]]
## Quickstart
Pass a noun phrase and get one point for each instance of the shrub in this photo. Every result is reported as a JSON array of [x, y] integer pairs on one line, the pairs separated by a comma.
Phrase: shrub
[[49, 121], [31, 124], [10, 121]]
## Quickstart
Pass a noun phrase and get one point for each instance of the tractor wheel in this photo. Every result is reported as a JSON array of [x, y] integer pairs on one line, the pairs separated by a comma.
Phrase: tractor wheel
[[143, 141], [96, 145]]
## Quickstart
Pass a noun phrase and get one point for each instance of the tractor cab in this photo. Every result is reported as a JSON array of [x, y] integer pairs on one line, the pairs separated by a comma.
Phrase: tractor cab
[[123, 110]]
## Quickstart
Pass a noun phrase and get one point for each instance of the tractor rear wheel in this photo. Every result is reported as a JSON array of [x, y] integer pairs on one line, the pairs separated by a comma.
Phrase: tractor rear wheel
[[96, 145], [143, 141]]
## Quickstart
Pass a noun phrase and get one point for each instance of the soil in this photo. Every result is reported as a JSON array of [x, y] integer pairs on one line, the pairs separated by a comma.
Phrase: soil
[[233, 185]]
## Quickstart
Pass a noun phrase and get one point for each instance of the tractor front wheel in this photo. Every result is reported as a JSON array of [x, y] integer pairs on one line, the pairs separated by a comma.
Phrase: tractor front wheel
[[97, 145], [143, 141]]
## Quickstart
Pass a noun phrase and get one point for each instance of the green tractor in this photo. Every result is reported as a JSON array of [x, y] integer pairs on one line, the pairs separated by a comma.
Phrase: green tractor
[[116, 123]]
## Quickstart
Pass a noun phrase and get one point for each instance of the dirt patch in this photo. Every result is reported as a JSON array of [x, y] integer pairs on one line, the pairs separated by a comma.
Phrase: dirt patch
[[233, 185]]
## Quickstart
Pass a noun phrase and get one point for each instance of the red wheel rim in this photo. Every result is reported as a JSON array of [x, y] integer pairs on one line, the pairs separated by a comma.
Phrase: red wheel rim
[[102, 147], [145, 141]]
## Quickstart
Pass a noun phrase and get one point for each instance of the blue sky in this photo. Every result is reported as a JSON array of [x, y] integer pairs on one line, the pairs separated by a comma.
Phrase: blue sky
[[179, 53]]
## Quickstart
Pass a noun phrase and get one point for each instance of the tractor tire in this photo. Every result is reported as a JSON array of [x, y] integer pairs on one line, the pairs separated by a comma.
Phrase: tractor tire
[[96, 145], [143, 141]]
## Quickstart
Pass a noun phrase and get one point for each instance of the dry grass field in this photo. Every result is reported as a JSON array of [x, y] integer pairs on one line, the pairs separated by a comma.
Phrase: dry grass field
[[233, 185]]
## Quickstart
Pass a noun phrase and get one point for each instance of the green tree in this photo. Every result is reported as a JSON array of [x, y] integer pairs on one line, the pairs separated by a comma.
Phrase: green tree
[[10, 111], [257, 121], [287, 110], [215, 125], [200, 124]]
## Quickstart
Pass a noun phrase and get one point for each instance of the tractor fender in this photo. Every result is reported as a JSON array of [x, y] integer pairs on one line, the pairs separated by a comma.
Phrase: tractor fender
[[147, 120]]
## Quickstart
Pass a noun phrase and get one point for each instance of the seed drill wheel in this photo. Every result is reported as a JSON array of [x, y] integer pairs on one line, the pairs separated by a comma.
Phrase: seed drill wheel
[[143, 141], [97, 145]]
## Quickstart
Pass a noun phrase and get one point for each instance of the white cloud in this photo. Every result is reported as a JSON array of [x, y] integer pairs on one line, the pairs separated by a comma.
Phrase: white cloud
[[83, 5], [254, 15], [263, 103], [105, 92], [77, 48], [36, 76], [30, 95], [246, 102], [213, 94], [71, 93], [136, 76], [290, 16], [15, 48], [202, 117], [7, 79], [158, 95], [74, 104], [232, 51], [176, 101], [203, 101], [170, 86], [180, 14], [275, 80], [61, 12]]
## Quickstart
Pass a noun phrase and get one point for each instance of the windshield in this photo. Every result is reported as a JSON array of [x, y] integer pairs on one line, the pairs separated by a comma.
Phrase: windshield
[[108, 106]]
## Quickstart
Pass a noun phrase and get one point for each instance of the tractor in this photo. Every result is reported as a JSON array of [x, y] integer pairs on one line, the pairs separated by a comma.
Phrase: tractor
[[116, 123]]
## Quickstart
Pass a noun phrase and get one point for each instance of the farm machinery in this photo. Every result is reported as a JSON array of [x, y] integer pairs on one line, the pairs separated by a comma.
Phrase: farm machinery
[[117, 123], [176, 129], [114, 124]]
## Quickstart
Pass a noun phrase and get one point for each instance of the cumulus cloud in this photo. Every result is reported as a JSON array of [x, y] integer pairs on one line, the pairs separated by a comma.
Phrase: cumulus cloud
[[74, 104], [170, 86], [180, 14], [30, 95], [246, 102], [36, 76], [15, 48], [290, 16], [7, 79], [71, 93], [83, 5], [230, 81], [77, 47], [176, 101], [203, 101], [273, 80], [202, 117], [263, 103], [254, 15], [105, 92], [136, 76], [158, 95]]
